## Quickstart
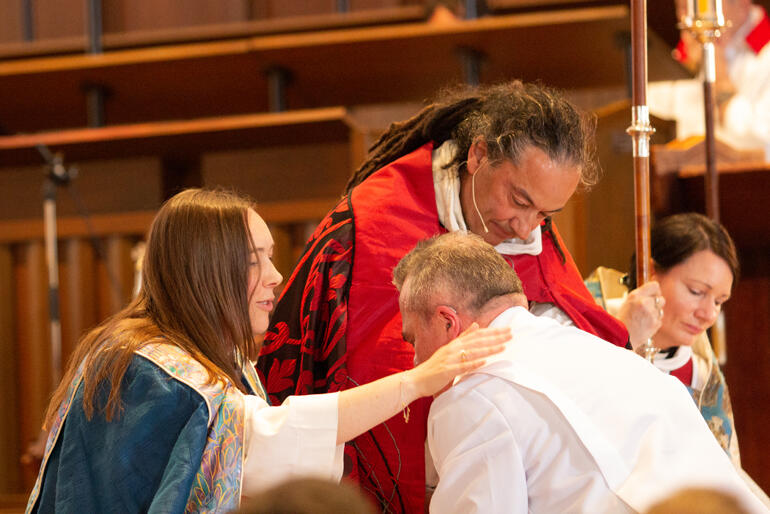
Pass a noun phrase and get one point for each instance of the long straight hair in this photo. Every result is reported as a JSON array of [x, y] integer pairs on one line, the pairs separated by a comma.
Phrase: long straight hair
[[193, 295]]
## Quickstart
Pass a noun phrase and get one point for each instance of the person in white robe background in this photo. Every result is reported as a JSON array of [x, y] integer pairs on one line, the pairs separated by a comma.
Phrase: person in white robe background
[[742, 87], [562, 421]]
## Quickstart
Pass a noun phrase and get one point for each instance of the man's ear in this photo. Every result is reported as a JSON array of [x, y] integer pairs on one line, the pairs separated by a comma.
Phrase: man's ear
[[450, 320], [477, 154]]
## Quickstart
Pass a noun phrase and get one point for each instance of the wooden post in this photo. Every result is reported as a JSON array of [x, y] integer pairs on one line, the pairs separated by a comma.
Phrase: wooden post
[[277, 80], [471, 60], [640, 131]]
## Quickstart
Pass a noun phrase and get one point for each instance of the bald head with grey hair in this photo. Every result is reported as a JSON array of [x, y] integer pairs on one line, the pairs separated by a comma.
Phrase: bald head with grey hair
[[459, 269]]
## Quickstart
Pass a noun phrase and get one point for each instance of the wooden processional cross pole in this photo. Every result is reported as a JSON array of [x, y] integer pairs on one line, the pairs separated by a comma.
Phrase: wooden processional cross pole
[[640, 132]]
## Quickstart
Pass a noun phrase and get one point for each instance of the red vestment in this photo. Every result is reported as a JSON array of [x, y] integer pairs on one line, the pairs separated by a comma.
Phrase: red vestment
[[337, 323]]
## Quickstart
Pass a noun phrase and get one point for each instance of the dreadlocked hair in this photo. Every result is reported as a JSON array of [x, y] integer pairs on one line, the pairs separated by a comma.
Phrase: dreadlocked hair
[[434, 123], [509, 117]]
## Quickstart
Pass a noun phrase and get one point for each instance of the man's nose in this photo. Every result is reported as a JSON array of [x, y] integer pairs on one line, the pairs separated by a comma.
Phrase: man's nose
[[522, 226]]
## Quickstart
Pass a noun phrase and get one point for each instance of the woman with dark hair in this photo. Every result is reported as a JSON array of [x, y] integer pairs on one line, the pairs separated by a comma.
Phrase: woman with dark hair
[[695, 266], [161, 409], [497, 161]]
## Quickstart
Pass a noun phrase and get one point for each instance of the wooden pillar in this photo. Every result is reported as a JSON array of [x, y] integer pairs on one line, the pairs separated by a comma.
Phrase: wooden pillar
[[77, 291], [27, 21], [115, 273], [471, 61], [95, 93], [10, 478], [277, 81], [32, 346]]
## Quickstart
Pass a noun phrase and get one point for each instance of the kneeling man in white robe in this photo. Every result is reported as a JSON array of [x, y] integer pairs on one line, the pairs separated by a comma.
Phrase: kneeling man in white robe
[[561, 421]]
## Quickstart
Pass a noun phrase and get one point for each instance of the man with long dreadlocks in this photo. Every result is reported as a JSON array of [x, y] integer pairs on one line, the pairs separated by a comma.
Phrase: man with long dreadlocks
[[498, 162]]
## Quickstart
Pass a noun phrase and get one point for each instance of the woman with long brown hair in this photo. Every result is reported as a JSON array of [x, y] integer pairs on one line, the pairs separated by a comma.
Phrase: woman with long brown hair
[[161, 409]]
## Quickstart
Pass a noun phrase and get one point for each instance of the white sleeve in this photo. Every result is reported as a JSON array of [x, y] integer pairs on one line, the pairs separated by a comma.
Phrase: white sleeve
[[747, 114], [747, 119], [478, 461], [297, 438]]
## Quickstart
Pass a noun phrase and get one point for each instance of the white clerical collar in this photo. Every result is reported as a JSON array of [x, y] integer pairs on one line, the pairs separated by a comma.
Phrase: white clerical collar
[[505, 318], [668, 363], [446, 184]]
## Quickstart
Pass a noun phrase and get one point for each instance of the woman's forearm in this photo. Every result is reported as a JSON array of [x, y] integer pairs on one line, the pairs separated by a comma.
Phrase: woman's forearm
[[366, 406]]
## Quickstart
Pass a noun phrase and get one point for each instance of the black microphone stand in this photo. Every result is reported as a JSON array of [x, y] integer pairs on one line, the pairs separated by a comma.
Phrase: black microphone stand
[[56, 175]]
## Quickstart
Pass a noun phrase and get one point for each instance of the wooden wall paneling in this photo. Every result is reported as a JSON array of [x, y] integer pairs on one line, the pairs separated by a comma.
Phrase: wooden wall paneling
[[350, 66], [610, 215], [244, 22], [742, 201], [143, 15], [134, 183], [281, 8], [115, 275], [77, 292], [748, 361], [59, 18], [378, 117], [130, 184], [180, 172], [185, 137], [11, 21], [571, 224], [10, 479], [363, 5], [127, 223], [21, 194], [281, 172], [32, 345], [368, 122], [609, 206]]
